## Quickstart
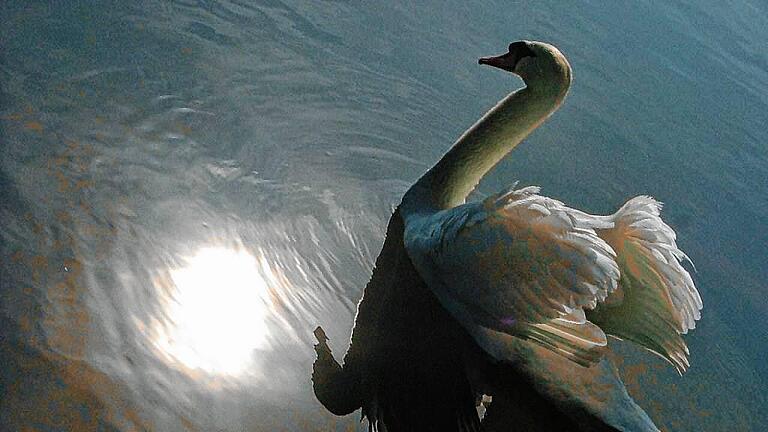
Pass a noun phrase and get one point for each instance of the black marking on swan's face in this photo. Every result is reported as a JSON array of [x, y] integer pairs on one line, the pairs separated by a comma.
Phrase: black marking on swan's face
[[508, 62]]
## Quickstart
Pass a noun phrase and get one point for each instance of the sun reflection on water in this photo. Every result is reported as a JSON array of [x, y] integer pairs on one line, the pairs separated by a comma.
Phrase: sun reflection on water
[[217, 311]]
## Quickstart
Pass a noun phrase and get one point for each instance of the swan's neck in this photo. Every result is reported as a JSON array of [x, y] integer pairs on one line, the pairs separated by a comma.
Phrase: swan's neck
[[481, 147]]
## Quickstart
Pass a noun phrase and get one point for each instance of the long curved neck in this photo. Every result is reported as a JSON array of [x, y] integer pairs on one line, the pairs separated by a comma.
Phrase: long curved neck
[[482, 146]]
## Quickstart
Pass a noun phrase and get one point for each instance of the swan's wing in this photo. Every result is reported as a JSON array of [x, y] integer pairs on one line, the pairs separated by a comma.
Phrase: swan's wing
[[656, 301], [518, 263]]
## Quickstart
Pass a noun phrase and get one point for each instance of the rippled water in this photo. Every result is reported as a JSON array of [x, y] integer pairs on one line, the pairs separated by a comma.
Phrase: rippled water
[[137, 139]]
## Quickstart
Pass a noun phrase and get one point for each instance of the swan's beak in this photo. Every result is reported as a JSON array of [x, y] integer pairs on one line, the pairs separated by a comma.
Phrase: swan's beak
[[506, 61]]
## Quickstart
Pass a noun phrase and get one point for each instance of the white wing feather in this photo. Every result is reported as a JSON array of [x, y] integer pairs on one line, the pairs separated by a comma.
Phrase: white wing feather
[[656, 301], [528, 266], [520, 263]]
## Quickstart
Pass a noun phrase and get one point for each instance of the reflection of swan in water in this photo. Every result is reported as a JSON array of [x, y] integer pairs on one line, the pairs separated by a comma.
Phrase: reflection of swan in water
[[490, 297]]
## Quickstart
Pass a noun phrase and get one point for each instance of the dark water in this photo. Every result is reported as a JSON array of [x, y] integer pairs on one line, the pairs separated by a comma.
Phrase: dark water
[[281, 134]]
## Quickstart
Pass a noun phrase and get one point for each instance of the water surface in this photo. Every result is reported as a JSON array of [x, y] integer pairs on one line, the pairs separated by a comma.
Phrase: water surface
[[137, 138]]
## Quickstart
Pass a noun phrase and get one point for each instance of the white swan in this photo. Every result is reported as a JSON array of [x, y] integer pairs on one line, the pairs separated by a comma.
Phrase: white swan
[[525, 265], [490, 297]]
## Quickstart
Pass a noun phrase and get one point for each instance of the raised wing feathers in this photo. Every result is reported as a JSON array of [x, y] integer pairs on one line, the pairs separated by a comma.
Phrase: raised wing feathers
[[518, 263], [532, 255], [657, 300]]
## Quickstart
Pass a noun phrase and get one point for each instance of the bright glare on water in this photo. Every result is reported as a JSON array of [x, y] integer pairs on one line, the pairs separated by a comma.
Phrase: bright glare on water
[[217, 311]]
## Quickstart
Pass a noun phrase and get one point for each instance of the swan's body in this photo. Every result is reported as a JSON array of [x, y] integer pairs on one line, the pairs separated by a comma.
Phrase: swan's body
[[532, 286]]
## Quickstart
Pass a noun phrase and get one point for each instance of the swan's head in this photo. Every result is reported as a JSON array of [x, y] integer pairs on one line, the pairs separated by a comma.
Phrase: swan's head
[[537, 63]]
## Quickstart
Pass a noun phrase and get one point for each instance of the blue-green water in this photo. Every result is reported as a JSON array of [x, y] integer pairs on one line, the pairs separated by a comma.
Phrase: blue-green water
[[135, 134]]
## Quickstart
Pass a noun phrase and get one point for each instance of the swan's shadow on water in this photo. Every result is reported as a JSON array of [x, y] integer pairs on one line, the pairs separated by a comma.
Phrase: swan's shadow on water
[[411, 366]]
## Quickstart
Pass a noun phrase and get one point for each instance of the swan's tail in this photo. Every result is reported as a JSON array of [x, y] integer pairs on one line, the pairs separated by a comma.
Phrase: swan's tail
[[335, 389]]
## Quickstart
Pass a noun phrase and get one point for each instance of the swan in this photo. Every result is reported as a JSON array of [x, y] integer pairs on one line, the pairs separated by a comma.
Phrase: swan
[[511, 296]]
